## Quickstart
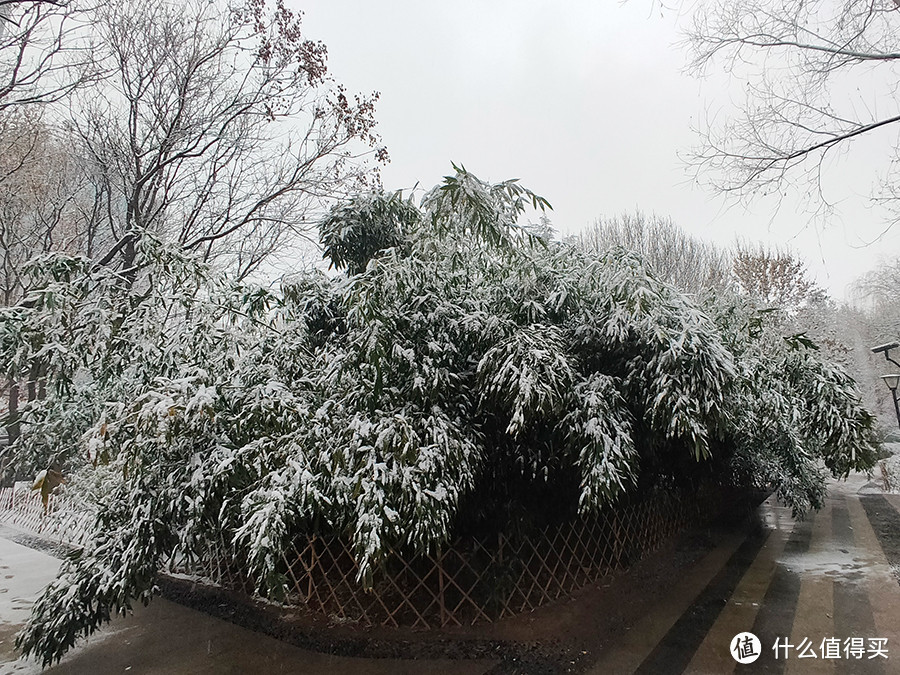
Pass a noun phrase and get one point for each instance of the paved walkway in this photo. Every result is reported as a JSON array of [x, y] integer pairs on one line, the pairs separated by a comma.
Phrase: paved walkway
[[824, 586], [165, 638]]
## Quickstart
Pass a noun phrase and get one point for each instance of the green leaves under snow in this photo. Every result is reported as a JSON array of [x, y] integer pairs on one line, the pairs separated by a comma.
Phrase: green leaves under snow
[[459, 347]]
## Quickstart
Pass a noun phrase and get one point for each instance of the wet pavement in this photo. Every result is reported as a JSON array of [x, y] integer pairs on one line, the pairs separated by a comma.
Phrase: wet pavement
[[821, 589], [167, 638]]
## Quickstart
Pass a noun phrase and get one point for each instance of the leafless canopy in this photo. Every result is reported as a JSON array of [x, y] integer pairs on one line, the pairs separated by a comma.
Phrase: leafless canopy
[[41, 59], [45, 198], [876, 296], [774, 277], [212, 125], [879, 289], [215, 126], [688, 263], [818, 75]]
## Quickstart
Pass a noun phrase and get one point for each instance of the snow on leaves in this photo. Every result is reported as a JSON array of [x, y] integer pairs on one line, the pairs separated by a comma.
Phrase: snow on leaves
[[455, 348]]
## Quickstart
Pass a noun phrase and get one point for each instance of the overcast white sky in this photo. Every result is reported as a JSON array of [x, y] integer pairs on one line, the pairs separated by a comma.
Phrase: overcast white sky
[[585, 101]]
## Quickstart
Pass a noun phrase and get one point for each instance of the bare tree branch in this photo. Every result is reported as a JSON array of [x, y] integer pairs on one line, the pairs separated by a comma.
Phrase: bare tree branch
[[796, 58], [44, 55], [214, 124]]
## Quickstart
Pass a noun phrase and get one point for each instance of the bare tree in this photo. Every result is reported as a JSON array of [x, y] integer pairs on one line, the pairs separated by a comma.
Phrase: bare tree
[[878, 288], [45, 54], [875, 294], [811, 72], [42, 54], [217, 128], [688, 263], [45, 203], [774, 278], [876, 307]]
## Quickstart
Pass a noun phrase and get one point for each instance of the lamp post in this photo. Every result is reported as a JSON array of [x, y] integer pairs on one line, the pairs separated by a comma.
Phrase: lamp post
[[892, 380]]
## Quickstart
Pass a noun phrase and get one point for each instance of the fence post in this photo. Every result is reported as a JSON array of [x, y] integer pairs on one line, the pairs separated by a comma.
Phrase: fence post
[[441, 603], [618, 553], [312, 566]]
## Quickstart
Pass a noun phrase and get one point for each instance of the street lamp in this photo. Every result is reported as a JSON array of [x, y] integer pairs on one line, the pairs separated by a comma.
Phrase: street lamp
[[892, 380]]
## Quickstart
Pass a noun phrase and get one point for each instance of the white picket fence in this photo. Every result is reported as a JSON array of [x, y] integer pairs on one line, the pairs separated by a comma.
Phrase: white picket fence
[[61, 521]]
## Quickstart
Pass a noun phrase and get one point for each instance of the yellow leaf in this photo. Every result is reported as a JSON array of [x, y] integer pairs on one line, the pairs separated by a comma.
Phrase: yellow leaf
[[39, 480]]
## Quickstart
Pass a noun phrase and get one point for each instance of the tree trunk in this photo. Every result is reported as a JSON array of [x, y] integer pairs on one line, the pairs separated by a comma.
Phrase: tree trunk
[[34, 373], [12, 421]]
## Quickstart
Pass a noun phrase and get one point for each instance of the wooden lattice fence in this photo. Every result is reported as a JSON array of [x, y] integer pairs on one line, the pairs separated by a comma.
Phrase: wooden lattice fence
[[61, 521], [469, 581], [474, 579]]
